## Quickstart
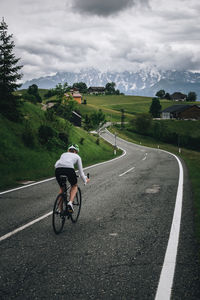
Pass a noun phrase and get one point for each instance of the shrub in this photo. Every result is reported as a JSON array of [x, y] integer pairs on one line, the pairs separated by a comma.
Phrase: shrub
[[45, 133], [64, 137], [28, 138], [81, 141]]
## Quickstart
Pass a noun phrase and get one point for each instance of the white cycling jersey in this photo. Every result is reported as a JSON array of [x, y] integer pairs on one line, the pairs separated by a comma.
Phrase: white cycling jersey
[[69, 160]]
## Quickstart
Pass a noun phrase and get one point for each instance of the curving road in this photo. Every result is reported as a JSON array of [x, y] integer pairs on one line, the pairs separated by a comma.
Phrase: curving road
[[117, 248]]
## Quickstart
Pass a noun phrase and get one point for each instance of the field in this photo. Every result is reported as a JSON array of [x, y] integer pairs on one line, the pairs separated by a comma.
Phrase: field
[[112, 105]]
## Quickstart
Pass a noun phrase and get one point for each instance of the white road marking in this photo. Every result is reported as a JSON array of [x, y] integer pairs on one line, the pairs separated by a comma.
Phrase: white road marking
[[25, 186], [49, 213], [167, 274], [127, 171], [24, 226], [52, 178], [144, 158]]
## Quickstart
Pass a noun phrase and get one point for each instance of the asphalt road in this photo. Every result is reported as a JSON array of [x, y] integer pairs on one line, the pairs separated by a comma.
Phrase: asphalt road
[[117, 248]]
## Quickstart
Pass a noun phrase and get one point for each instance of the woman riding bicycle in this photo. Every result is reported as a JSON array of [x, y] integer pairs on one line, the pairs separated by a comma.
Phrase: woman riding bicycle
[[65, 166]]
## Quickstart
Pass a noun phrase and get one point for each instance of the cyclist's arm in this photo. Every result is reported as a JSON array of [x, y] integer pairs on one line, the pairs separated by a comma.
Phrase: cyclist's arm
[[80, 168]]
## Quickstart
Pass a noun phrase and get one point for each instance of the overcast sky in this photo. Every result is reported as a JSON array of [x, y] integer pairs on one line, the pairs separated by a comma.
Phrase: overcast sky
[[118, 35]]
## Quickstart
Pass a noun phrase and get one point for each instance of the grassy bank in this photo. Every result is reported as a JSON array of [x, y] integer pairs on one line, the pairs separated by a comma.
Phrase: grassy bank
[[19, 162], [191, 158]]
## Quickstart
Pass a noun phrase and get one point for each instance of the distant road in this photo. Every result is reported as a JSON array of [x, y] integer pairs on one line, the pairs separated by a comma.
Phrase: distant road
[[117, 248]]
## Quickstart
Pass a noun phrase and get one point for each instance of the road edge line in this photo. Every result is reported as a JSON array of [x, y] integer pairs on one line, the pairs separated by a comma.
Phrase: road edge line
[[165, 284]]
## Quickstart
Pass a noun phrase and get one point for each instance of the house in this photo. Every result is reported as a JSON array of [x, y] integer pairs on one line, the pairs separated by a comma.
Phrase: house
[[74, 93], [181, 112], [96, 90], [177, 96], [76, 119]]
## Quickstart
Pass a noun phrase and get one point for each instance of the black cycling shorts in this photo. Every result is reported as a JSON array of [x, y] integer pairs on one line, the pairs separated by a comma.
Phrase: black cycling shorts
[[69, 172]]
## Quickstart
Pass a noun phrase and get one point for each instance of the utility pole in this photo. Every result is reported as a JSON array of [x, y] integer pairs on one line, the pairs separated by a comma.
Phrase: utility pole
[[115, 147]]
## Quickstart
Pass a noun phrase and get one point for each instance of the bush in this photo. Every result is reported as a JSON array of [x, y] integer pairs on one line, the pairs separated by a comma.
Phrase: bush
[[45, 133], [50, 115], [54, 143], [28, 138], [64, 137], [81, 141], [143, 123]]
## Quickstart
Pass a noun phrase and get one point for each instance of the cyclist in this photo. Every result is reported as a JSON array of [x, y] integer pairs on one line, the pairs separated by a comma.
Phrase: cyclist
[[65, 166]]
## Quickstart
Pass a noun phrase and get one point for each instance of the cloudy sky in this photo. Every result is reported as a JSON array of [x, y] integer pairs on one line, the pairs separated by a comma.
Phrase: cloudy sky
[[118, 35]]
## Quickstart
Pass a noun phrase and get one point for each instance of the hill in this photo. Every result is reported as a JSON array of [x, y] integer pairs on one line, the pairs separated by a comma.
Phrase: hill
[[24, 155]]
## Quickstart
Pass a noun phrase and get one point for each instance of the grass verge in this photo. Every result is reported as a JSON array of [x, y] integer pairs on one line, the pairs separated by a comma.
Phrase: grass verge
[[19, 162]]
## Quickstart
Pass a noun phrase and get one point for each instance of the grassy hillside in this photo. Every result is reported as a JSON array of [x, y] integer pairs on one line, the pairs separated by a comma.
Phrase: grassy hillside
[[21, 162]]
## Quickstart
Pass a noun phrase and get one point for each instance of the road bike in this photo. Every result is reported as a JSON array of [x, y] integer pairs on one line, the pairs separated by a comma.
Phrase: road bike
[[60, 209]]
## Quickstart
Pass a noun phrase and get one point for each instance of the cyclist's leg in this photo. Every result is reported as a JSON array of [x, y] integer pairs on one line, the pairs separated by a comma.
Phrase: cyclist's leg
[[59, 172], [73, 181], [73, 191]]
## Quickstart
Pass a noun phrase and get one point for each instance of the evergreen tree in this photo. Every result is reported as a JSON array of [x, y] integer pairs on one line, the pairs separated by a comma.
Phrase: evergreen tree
[[110, 88], [192, 96], [9, 103], [33, 90], [155, 108], [161, 94]]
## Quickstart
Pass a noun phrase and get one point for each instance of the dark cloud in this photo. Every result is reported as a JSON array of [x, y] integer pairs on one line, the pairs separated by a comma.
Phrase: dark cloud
[[104, 7]]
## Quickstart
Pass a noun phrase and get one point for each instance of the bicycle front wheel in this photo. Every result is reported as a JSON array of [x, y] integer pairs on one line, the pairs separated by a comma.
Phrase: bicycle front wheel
[[58, 219], [77, 206]]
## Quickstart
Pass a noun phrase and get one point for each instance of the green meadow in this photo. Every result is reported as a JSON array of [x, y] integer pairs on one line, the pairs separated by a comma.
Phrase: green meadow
[[112, 105]]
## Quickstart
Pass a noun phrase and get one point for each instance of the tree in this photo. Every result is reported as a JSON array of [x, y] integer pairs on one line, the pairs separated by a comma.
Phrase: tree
[[110, 88], [192, 96], [87, 123], [9, 103], [155, 108], [33, 90], [81, 86], [60, 90], [143, 123], [167, 96], [97, 119], [161, 94]]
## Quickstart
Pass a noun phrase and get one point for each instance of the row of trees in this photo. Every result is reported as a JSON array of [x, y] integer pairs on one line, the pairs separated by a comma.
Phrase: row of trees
[[192, 96], [83, 89], [145, 125]]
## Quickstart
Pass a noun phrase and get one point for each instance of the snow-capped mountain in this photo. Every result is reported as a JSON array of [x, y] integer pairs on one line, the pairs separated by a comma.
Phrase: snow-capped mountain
[[143, 83]]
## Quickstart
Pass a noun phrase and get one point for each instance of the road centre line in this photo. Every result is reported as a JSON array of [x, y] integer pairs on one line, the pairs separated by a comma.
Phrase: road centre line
[[127, 171], [165, 284], [167, 274], [52, 178], [9, 234]]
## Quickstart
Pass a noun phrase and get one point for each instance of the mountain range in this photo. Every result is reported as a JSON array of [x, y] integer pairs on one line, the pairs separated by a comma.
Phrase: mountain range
[[145, 82]]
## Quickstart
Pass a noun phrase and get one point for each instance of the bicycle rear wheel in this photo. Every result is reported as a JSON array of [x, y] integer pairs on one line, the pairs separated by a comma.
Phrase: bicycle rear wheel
[[58, 219], [76, 206]]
